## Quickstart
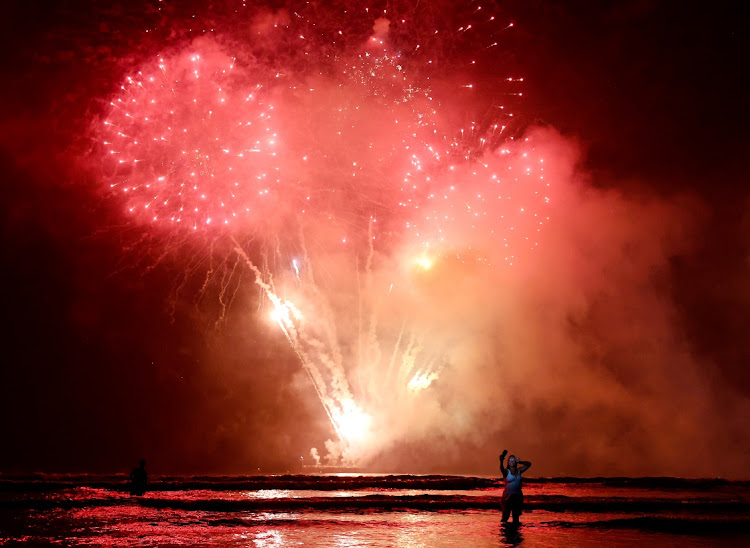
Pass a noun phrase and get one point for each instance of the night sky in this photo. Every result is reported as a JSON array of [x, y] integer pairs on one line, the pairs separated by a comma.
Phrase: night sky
[[114, 349]]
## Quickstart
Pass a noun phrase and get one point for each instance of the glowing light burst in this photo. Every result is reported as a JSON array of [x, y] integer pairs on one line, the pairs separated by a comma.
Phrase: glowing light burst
[[421, 380], [352, 423], [336, 140], [191, 142]]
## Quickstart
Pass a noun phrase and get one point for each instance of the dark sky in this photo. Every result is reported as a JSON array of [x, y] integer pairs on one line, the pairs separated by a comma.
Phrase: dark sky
[[105, 360], [654, 91]]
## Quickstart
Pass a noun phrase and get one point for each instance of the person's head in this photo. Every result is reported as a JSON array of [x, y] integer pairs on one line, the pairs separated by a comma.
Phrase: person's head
[[512, 460], [143, 463]]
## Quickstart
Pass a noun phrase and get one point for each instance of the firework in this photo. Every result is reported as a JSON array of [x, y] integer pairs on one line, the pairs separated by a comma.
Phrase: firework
[[355, 131], [192, 143]]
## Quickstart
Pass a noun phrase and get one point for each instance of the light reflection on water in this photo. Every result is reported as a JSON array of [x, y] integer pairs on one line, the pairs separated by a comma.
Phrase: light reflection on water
[[94, 516], [131, 525], [531, 489], [272, 538], [135, 525], [268, 494]]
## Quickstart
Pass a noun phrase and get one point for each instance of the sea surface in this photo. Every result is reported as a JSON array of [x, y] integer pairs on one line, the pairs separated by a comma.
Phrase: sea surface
[[347, 510]]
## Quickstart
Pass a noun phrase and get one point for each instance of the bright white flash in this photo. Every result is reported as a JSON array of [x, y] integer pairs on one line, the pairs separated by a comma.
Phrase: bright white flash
[[353, 424]]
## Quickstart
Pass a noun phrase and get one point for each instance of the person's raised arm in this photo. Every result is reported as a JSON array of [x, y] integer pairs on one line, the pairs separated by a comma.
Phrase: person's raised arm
[[502, 465], [523, 465]]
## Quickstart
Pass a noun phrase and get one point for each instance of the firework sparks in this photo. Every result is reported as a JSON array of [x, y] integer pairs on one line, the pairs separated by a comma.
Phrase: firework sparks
[[191, 144], [341, 139]]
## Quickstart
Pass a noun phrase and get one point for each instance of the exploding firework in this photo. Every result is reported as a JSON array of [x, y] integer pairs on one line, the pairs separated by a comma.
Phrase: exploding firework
[[348, 134], [192, 143]]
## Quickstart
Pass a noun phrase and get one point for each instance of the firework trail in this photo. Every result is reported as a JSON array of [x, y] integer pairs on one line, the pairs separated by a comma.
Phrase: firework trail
[[347, 136]]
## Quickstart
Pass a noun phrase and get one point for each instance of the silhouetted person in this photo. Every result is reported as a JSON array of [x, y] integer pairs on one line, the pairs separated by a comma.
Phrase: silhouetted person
[[138, 479], [512, 500]]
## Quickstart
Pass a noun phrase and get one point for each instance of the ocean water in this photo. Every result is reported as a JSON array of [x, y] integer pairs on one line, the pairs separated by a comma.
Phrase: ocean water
[[344, 510]]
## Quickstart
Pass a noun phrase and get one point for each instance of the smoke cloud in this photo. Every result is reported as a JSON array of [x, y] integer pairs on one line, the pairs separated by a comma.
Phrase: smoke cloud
[[574, 355], [316, 233]]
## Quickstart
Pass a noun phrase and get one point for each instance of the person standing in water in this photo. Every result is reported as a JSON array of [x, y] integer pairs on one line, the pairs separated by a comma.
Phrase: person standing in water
[[512, 500], [138, 479]]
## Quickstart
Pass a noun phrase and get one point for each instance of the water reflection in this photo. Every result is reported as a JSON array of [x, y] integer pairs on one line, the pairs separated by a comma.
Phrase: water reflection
[[271, 538], [564, 516], [267, 494], [510, 533]]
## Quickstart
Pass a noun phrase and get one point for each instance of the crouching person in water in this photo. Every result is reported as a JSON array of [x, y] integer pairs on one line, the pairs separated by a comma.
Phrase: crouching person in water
[[512, 500]]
